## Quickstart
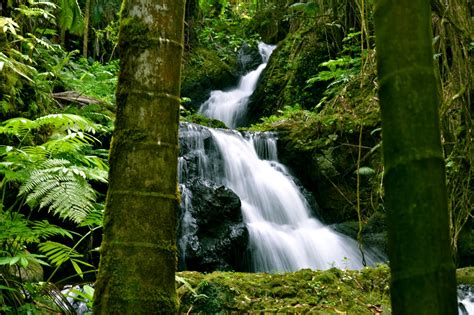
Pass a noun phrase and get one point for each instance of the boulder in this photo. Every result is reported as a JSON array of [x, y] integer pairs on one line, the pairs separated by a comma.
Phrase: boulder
[[212, 235]]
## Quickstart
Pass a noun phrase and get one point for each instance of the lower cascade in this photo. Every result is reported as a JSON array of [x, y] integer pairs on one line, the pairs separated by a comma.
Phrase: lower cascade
[[465, 300], [283, 234]]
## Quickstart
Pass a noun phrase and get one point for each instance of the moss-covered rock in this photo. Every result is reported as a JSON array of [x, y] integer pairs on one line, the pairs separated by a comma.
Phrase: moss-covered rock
[[374, 232], [305, 291], [204, 71], [465, 275], [271, 21], [294, 61], [322, 150], [199, 119], [333, 291]]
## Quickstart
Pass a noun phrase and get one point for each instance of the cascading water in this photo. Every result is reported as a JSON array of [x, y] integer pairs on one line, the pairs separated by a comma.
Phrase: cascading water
[[283, 235], [465, 300], [230, 106]]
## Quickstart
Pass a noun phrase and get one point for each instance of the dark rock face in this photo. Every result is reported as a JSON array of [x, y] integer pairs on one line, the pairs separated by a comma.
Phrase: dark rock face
[[248, 58], [203, 72], [217, 239], [211, 232], [374, 232], [284, 80]]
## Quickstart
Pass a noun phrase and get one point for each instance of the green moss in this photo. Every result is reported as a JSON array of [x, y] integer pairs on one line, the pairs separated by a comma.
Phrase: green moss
[[204, 121], [322, 292], [465, 275], [204, 71], [132, 29]]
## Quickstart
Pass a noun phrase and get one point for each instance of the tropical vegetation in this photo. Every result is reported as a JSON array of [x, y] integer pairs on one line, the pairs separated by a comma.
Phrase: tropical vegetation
[[58, 75]]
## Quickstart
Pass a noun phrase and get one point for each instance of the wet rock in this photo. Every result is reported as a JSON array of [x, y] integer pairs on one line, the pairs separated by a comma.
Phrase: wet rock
[[248, 58], [205, 71], [212, 233]]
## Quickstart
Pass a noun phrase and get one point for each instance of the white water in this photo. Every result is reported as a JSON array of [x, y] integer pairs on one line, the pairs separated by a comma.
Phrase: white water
[[231, 106], [465, 300], [283, 234]]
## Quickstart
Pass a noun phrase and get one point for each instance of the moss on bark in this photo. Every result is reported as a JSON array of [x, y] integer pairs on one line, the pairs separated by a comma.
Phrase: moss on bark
[[138, 262], [423, 278]]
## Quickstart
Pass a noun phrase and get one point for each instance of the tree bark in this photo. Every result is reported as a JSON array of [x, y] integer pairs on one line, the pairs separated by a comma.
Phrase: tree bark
[[87, 14], [423, 272], [137, 267]]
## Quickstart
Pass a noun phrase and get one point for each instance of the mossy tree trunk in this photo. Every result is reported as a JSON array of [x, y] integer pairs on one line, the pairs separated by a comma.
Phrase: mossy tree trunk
[[87, 14], [192, 16], [423, 273], [137, 267]]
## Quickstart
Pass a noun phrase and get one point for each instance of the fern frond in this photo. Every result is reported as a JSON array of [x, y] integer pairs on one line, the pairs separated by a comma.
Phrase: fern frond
[[12, 227], [44, 230], [58, 253], [18, 126], [61, 187], [94, 218], [21, 126], [73, 143], [96, 174], [70, 121]]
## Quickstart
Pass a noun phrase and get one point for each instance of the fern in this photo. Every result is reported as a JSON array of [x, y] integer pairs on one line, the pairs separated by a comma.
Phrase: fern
[[94, 218], [62, 188], [58, 254], [16, 232], [43, 229], [8, 25], [20, 127]]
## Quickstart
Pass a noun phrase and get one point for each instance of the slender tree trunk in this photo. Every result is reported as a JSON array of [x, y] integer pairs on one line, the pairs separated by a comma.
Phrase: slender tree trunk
[[62, 37], [137, 267], [192, 16], [423, 273], [87, 14]]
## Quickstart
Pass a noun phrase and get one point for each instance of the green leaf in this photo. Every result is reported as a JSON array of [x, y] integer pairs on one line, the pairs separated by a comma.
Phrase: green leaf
[[365, 171], [77, 268], [7, 260], [14, 260]]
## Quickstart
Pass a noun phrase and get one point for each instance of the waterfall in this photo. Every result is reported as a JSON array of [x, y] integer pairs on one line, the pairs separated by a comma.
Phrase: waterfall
[[230, 106], [465, 299], [283, 233]]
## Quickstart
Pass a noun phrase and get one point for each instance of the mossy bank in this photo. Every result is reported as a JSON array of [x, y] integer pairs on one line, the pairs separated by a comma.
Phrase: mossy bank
[[333, 291]]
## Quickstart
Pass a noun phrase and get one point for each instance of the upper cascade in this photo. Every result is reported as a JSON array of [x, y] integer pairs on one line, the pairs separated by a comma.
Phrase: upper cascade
[[230, 106]]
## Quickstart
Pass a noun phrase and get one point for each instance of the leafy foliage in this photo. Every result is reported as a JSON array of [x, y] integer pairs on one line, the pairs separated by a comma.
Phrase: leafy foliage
[[70, 16], [56, 173], [52, 164]]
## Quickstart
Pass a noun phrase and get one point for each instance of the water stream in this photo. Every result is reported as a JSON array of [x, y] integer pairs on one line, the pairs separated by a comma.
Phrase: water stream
[[284, 236], [230, 106]]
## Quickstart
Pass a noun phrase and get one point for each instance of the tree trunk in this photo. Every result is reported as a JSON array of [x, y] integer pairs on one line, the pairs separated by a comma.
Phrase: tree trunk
[[423, 273], [137, 267], [192, 16], [87, 14]]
